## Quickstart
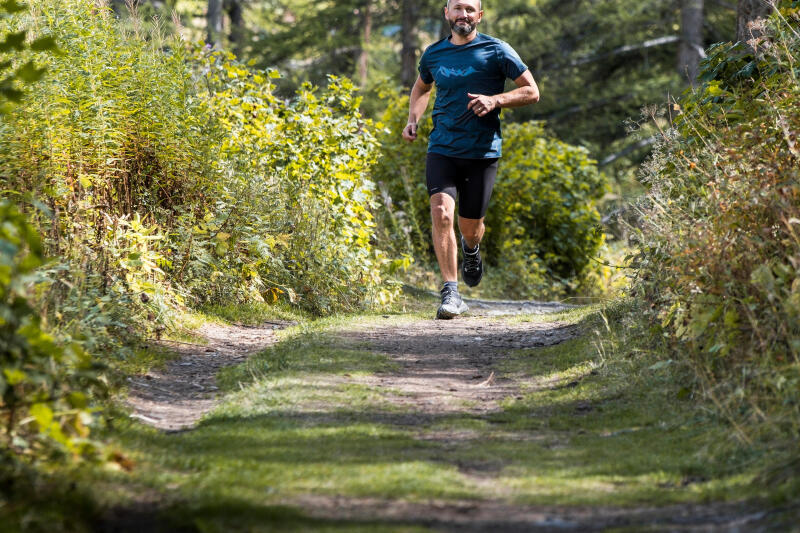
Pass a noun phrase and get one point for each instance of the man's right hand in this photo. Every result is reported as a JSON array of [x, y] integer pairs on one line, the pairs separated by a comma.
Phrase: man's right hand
[[410, 132]]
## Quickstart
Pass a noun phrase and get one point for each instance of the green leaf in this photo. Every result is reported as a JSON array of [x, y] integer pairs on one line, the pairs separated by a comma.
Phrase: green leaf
[[78, 400], [14, 376], [12, 6], [29, 73], [13, 41], [44, 43], [43, 415], [661, 364]]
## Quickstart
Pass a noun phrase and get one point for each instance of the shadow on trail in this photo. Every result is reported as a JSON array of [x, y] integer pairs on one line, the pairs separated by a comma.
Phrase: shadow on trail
[[310, 447], [371, 455]]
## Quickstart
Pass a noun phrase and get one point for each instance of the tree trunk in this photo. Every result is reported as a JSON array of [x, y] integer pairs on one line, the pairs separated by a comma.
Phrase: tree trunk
[[119, 7], [444, 27], [236, 14], [410, 30], [214, 22], [366, 37], [692, 48], [749, 11]]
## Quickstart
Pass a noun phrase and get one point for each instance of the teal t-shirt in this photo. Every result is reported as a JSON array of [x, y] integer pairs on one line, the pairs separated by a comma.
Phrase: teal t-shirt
[[478, 67]]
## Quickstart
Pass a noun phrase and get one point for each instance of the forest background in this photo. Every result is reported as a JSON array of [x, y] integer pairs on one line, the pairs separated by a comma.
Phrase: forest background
[[166, 157]]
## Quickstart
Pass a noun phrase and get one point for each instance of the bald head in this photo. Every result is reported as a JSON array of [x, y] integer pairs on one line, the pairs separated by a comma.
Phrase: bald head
[[480, 4]]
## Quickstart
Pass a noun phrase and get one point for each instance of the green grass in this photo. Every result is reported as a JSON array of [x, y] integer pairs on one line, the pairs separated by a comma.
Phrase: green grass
[[253, 314], [594, 425]]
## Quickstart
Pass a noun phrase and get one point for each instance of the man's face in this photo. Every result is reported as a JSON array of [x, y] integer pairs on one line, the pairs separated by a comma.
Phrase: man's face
[[463, 15]]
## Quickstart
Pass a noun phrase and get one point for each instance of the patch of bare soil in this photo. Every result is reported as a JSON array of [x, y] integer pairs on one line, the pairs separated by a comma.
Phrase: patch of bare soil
[[442, 368], [176, 397], [452, 366], [448, 367], [494, 516]]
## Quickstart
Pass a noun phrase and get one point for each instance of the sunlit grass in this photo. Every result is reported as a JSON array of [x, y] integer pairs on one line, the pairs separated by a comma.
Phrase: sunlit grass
[[587, 430]]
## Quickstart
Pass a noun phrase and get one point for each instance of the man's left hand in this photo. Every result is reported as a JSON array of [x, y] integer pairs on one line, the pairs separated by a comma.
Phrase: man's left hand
[[481, 104]]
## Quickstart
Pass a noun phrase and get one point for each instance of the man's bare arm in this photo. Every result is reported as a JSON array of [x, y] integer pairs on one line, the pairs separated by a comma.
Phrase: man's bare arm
[[417, 104], [527, 92]]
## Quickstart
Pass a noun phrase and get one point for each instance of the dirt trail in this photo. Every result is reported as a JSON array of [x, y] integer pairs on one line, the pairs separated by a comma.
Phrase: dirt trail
[[176, 397], [442, 368], [451, 366]]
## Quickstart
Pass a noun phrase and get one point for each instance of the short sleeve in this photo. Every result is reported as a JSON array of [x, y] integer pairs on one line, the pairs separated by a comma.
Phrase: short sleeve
[[424, 69], [510, 63]]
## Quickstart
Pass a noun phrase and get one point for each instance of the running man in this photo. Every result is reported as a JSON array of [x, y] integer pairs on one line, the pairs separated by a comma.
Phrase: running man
[[469, 70]]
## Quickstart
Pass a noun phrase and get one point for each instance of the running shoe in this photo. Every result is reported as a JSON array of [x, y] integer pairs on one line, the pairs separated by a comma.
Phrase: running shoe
[[472, 267], [452, 304]]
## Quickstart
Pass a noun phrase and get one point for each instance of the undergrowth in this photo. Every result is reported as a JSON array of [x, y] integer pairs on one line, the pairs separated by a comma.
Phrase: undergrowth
[[719, 260], [143, 176]]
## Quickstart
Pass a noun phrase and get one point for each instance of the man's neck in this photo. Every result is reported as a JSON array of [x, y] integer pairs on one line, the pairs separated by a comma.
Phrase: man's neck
[[458, 40]]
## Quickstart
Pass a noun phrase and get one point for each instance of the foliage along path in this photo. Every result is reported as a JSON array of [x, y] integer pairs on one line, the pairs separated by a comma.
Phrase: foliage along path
[[492, 422]]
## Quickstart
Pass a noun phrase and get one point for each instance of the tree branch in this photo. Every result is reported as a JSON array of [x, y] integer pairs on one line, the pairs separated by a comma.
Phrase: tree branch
[[660, 41], [627, 150]]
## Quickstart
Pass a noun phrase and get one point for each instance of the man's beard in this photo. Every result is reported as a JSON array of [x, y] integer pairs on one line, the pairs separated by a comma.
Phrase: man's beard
[[462, 30]]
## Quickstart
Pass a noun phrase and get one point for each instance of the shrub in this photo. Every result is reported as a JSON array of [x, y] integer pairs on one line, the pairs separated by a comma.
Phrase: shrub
[[14, 76], [173, 175], [542, 225], [45, 385], [719, 258]]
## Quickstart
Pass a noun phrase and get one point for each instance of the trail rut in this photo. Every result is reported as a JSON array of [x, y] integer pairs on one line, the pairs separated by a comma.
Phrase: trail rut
[[441, 368]]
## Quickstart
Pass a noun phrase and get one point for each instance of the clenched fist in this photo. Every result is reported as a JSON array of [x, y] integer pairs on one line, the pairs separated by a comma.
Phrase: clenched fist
[[410, 132], [481, 104]]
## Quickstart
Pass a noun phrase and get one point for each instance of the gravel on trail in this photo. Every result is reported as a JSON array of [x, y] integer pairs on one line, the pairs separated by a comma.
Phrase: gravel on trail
[[442, 367]]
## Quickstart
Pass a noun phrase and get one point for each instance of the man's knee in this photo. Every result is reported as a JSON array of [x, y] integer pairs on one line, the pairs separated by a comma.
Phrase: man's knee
[[442, 214], [472, 235], [471, 230]]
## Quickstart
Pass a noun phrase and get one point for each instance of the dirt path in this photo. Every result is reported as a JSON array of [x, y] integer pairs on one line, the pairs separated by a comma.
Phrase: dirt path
[[451, 366], [176, 397], [441, 369], [454, 368]]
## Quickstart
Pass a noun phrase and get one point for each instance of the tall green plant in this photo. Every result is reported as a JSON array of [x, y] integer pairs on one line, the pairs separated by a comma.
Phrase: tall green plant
[[718, 260], [175, 176], [45, 385], [18, 67]]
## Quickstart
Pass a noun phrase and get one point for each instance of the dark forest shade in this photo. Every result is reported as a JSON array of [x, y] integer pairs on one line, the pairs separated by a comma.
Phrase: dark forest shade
[[691, 48], [748, 11], [410, 25]]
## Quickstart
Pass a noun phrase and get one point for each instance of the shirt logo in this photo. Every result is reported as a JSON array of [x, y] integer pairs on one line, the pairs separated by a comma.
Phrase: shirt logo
[[456, 72]]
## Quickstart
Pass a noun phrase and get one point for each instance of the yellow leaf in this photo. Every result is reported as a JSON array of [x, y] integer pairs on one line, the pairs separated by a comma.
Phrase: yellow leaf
[[43, 415]]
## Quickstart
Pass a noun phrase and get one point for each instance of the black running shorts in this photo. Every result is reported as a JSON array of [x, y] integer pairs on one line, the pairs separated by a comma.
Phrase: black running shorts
[[470, 181]]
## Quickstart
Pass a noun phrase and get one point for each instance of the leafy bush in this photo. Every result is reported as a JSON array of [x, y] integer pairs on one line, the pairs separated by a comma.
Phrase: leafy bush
[[542, 228], [173, 175], [45, 385], [14, 75], [720, 250]]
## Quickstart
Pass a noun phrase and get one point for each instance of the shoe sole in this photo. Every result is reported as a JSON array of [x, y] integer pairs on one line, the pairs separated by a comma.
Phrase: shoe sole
[[463, 274], [442, 314], [468, 284]]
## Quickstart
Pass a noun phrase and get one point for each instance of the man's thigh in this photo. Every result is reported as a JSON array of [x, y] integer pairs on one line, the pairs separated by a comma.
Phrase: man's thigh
[[475, 185], [441, 175]]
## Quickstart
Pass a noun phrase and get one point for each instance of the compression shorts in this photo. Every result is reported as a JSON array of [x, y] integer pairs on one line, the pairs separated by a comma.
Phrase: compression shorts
[[469, 181]]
